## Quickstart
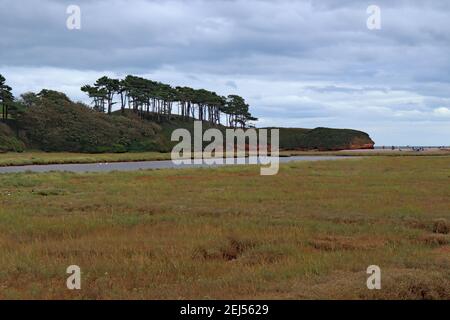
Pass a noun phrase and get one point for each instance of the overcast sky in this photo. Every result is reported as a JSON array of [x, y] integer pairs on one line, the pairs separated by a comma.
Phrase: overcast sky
[[298, 63]]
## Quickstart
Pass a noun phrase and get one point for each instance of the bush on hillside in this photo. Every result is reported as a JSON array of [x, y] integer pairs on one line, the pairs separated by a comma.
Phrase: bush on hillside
[[55, 123], [9, 141]]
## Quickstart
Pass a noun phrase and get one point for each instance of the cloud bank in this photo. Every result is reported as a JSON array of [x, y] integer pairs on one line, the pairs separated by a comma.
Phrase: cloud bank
[[298, 63]]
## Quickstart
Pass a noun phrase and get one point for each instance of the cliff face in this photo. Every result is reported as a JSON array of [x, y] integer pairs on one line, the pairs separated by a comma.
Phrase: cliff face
[[324, 139], [361, 144]]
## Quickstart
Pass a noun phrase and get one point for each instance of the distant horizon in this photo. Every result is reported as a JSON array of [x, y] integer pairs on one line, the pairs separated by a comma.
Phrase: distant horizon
[[298, 64]]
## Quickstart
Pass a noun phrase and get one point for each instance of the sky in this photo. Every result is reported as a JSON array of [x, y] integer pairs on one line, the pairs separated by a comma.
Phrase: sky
[[298, 63]]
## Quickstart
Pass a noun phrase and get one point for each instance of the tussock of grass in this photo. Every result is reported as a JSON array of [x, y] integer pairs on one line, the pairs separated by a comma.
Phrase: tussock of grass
[[435, 240], [441, 226]]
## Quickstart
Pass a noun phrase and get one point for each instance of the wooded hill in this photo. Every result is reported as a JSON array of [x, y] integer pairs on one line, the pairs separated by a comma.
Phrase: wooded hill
[[50, 121]]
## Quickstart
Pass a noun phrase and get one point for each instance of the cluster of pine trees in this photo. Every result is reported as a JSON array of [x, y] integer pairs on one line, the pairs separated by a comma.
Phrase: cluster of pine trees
[[149, 99], [6, 98], [158, 100]]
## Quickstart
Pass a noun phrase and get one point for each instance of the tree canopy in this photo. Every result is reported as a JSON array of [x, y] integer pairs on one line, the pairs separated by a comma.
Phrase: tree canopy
[[6, 98], [158, 100]]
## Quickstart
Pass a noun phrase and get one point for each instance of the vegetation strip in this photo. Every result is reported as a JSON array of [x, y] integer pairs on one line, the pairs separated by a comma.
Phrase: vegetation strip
[[148, 234]]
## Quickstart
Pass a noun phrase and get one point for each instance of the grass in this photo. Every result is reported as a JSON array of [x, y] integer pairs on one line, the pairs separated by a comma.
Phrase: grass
[[309, 232], [39, 157], [370, 152]]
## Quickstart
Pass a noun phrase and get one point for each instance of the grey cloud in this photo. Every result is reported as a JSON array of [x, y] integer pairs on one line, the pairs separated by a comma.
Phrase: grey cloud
[[232, 84], [318, 50]]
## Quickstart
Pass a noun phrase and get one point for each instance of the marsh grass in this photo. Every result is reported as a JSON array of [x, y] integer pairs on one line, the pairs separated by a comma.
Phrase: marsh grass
[[42, 158], [309, 232]]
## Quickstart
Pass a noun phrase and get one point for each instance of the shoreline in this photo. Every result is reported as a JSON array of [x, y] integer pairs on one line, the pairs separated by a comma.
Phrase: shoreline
[[154, 165], [11, 159]]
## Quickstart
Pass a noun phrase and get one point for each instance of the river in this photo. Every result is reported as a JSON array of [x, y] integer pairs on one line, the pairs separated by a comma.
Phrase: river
[[139, 165]]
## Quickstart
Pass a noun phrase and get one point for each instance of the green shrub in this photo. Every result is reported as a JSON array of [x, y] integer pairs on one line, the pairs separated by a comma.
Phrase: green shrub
[[58, 124], [9, 141]]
